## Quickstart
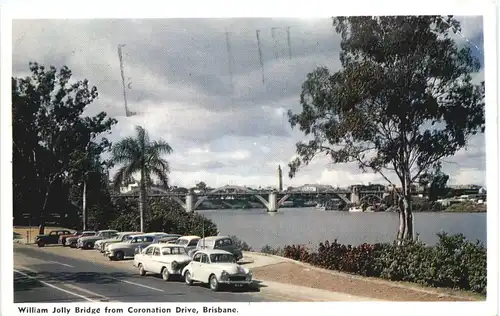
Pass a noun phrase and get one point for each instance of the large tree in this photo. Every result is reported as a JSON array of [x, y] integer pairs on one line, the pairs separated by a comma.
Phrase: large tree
[[140, 155], [50, 133], [403, 100]]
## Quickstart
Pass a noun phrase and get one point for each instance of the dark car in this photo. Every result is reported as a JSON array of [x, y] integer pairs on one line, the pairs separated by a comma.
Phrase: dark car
[[52, 238], [161, 239], [218, 243]]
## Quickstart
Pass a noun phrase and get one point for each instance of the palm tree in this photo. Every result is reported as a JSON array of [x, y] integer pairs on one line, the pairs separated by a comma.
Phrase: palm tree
[[140, 155]]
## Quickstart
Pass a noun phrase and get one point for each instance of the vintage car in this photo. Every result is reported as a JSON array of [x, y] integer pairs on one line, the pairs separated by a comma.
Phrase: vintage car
[[166, 240], [164, 259], [216, 267], [188, 242], [62, 238], [72, 240], [101, 244], [160, 238], [88, 242], [51, 238], [122, 250], [218, 242]]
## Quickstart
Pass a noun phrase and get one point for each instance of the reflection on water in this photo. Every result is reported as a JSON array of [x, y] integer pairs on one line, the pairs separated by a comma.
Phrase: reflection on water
[[310, 226]]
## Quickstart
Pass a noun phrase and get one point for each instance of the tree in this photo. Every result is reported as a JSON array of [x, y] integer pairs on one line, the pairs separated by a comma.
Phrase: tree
[[140, 155], [202, 186], [49, 134], [402, 101], [435, 182]]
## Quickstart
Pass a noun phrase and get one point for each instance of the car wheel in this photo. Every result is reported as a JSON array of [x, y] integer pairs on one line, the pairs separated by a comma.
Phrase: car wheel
[[165, 275], [119, 255], [214, 284], [142, 272], [41, 244], [187, 278]]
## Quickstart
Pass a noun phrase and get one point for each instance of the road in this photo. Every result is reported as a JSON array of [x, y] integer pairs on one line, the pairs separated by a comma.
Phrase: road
[[42, 276]]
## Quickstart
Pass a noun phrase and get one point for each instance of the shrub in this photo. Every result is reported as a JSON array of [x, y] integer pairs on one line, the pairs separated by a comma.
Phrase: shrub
[[278, 251], [240, 244], [454, 262]]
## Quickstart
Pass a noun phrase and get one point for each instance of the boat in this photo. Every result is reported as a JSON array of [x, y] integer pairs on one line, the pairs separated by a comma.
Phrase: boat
[[331, 205], [355, 209]]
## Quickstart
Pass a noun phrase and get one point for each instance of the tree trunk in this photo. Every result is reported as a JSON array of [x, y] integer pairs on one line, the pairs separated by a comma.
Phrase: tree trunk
[[402, 222], [142, 198], [407, 210]]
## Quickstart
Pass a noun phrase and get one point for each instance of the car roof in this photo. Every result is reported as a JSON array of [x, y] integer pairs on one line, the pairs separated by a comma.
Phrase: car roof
[[216, 237], [189, 237], [88, 231], [108, 230], [168, 246], [215, 252]]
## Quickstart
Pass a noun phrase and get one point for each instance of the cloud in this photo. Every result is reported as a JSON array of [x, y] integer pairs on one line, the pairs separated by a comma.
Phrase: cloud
[[225, 124]]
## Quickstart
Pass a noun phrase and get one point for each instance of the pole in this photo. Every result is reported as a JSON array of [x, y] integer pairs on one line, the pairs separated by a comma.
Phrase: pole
[[120, 56], [84, 204]]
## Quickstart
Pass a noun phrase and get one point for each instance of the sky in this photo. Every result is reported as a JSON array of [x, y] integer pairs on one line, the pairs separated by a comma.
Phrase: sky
[[226, 124]]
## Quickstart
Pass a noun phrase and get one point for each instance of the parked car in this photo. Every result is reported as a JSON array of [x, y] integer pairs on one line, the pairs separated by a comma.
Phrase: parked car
[[62, 238], [88, 241], [218, 242], [164, 238], [167, 240], [101, 244], [51, 238], [72, 240], [216, 267], [164, 259], [122, 250], [188, 242]]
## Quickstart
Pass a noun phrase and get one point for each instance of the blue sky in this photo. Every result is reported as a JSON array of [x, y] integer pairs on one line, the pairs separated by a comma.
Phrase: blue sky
[[224, 129]]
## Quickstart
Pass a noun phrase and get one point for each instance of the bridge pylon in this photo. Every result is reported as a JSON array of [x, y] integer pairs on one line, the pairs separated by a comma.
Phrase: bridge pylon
[[192, 201], [272, 204]]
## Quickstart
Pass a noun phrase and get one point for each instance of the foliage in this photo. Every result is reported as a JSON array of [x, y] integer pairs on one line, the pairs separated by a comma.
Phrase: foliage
[[52, 140], [403, 100], [466, 207], [436, 183], [278, 251], [140, 155], [424, 205], [454, 262], [165, 215], [240, 244]]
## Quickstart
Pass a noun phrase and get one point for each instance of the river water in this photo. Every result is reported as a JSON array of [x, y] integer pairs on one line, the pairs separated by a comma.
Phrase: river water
[[310, 226]]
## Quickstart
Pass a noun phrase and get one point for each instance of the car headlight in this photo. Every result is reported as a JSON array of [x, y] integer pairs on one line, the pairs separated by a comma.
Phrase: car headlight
[[224, 275]]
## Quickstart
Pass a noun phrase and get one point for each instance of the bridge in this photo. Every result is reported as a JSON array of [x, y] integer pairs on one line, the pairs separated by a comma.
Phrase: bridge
[[275, 199]]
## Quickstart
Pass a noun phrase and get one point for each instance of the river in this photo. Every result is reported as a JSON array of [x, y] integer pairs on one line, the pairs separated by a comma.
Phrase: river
[[309, 226]]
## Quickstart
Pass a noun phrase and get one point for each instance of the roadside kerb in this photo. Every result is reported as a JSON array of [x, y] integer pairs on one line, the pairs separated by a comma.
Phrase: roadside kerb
[[352, 276]]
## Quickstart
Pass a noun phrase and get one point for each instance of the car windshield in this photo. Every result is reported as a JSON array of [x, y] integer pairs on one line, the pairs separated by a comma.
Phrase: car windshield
[[182, 241], [173, 251], [222, 258], [222, 243]]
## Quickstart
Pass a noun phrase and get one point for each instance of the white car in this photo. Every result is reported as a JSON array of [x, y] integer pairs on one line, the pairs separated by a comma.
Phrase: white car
[[164, 259], [216, 267]]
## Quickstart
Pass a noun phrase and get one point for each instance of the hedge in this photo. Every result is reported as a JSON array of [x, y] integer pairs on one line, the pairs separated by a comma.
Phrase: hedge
[[453, 262]]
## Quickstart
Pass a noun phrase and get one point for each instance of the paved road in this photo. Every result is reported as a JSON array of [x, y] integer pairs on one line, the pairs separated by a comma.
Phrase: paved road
[[41, 276]]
